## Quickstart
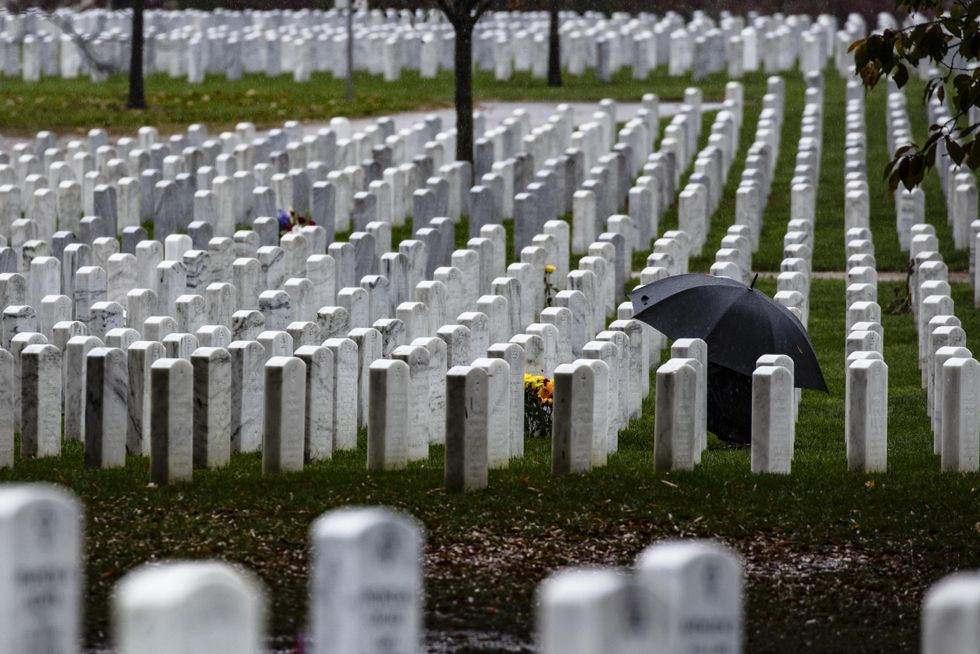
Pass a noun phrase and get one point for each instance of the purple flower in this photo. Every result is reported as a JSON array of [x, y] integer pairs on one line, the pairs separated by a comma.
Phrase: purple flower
[[284, 219]]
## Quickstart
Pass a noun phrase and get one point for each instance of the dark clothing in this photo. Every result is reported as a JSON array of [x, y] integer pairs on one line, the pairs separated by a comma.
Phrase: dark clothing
[[729, 405]]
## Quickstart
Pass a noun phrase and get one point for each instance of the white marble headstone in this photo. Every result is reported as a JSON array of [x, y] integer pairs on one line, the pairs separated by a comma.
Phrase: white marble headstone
[[366, 582], [40, 569], [200, 607]]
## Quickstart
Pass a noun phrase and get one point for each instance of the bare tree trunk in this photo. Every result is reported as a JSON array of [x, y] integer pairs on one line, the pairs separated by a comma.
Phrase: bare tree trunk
[[464, 90], [137, 99], [554, 48]]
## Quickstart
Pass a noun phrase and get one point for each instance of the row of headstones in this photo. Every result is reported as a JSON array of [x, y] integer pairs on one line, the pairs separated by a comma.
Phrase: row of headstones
[[950, 374], [857, 203], [753, 191], [734, 257], [866, 374], [775, 401], [680, 429], [794, 279], [792, 290], [218, 188], [267, 228], [854, 28], [950, 396], [701, 47], [958, 183], [218, 181], [647, 199], [949, 371], [366, 592], [317, 43], [910, 205], [639, 43], [243, 148], [285, 284], [705, 186], [752, 194], [221, 167], [771, 46], [335, 196], [503, 42], [660, 172]]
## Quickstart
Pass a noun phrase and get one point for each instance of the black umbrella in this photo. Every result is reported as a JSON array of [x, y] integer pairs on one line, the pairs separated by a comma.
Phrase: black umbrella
[[738, 323]]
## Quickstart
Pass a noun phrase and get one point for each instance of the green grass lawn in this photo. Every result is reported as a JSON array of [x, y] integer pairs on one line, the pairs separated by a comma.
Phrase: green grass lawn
[[836, 562], [75, 106]]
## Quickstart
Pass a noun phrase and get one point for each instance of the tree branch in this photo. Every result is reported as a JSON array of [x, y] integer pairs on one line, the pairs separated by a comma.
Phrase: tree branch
[[447, 11], [481, 8], [81, 44]]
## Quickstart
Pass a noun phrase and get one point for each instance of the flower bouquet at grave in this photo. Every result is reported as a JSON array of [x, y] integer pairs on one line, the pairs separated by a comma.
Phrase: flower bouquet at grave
[[537, 406], [290, 219], [549, 289]]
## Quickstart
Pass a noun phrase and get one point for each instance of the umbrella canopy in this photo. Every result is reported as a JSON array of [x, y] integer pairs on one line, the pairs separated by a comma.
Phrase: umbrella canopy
[[738, 323]]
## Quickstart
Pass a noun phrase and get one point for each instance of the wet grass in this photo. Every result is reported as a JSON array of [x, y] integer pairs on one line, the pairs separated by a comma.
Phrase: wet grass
[[835, 561]]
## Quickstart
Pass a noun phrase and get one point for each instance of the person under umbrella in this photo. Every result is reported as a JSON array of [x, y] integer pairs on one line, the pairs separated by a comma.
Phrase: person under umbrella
[[739, 324], [729, 404]]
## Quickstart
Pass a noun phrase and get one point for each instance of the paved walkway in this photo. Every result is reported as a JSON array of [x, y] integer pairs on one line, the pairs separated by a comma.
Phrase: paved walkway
[[496, 112], [959, 277]]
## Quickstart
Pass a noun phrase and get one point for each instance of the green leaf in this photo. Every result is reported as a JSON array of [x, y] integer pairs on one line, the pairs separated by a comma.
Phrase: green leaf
[[952, 25], [861, 57], [916, 168], [955, 150], [903, 168], [973, 11], [854, 46], [893, 180], [901, 75]]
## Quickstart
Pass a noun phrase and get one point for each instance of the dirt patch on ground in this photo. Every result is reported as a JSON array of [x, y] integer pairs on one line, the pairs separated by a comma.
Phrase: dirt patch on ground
[[849, 596]]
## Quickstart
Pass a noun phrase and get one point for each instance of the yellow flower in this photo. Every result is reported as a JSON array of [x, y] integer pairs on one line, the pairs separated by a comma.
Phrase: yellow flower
[[546, 391], [549, 269]]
